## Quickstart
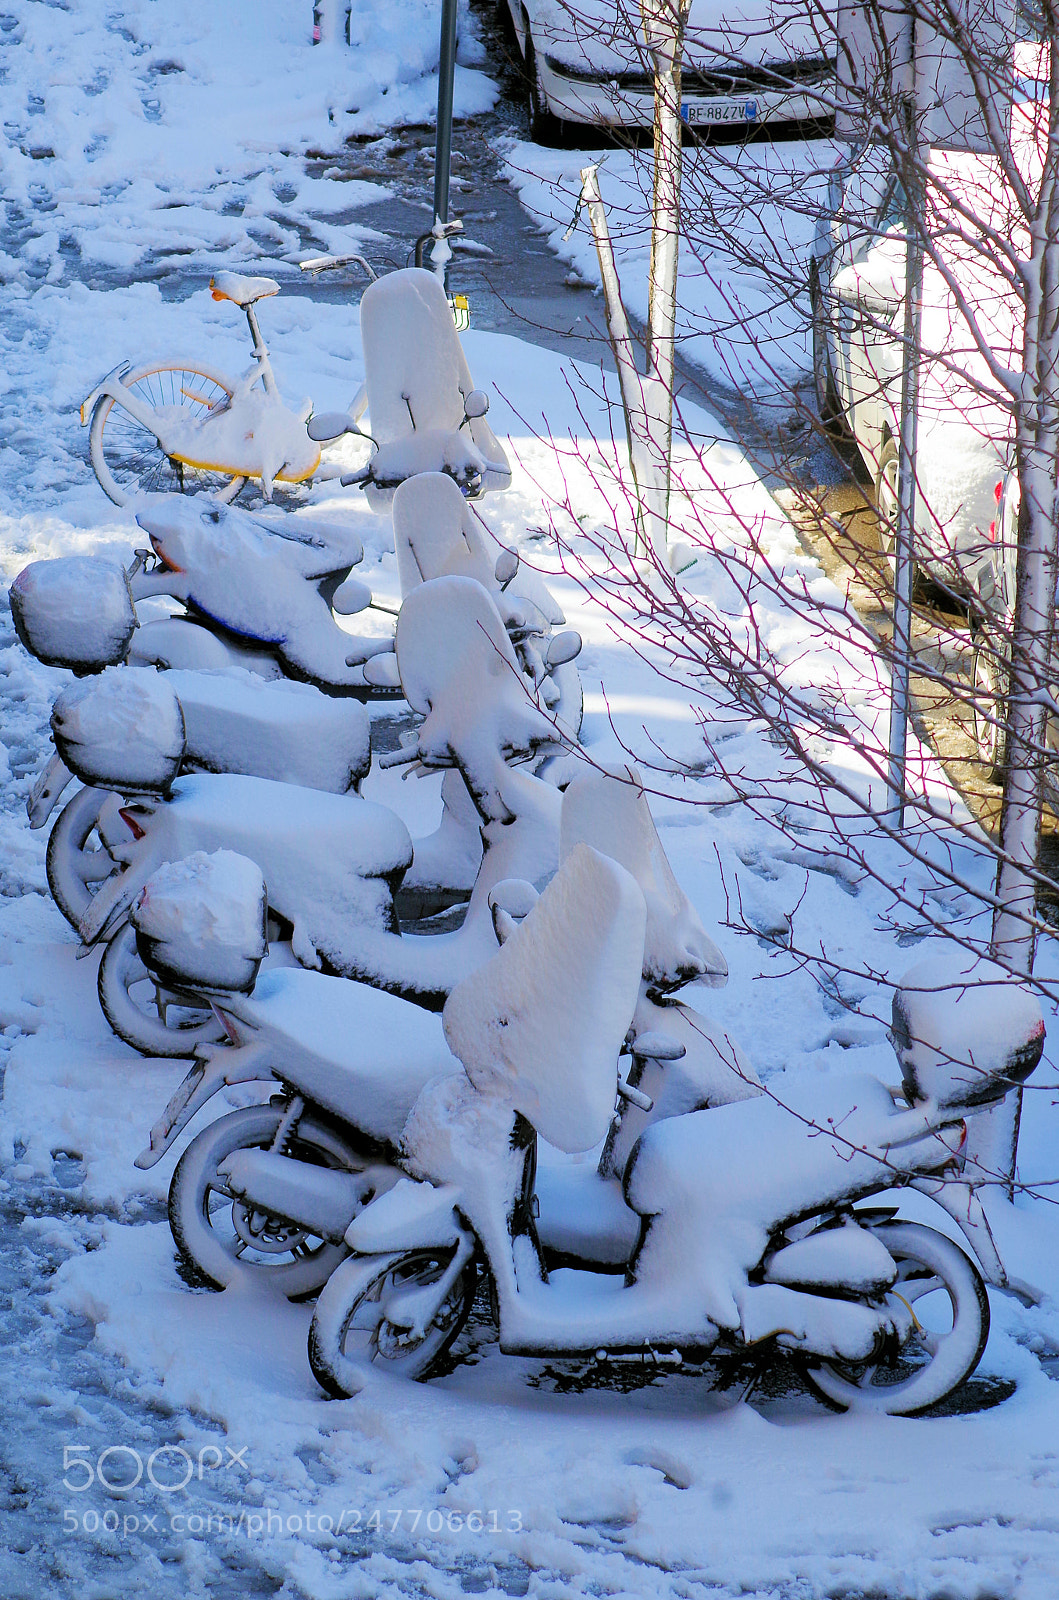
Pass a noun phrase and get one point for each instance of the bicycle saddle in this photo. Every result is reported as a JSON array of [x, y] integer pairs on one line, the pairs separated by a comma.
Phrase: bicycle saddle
[[244, 291]]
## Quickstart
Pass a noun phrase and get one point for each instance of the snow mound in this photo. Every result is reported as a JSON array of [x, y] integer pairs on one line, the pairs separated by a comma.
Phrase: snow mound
[[122, 730], [201, 921], [964, 1031], [609, 809], [541, 1024], [74, 611]]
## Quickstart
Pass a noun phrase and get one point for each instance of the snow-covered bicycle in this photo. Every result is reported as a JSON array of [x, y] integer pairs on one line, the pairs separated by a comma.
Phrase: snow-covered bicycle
[[177, 425]]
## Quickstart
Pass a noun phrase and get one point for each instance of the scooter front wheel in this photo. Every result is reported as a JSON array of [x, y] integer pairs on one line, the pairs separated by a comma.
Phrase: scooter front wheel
[[154, 1020], [948, 1299], [363, 1318], [126, 455], [75, 866], [225, 1239]]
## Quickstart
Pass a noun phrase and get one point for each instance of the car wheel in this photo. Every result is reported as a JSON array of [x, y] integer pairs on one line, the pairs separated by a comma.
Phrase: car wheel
[[887, 493], [828, 405], [989, 707], [544, 126]]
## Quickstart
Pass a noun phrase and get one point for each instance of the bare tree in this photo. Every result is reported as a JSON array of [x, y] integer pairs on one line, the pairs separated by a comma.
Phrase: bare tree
[[932, 92]]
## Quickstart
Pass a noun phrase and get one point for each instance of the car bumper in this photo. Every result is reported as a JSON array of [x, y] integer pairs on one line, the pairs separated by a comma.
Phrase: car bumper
[[607, 102]]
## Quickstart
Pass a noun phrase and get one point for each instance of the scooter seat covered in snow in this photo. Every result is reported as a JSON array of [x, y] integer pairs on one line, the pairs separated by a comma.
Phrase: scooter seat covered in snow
[[358, 1051]]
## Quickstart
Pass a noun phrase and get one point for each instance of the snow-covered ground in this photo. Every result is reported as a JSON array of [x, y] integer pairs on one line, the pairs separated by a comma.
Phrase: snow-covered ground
[[505, 1476]]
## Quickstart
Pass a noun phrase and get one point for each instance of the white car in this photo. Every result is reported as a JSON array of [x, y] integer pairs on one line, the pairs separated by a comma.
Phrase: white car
[[857, 291], [586, 62]]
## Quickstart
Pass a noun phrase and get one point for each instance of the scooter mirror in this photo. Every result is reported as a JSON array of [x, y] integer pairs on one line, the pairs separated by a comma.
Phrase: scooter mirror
[[564, 647], [350, 597], [329, 425], [381, 672], [476, 404], [517, 896], [657, 1047], [509, 901], [506, 567]]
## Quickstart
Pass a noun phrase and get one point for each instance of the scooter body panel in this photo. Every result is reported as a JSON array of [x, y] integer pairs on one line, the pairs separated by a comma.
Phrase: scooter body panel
[[330, 861]]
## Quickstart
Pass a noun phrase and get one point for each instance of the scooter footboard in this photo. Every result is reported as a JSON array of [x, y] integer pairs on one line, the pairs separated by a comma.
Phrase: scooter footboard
[[409, 1216]]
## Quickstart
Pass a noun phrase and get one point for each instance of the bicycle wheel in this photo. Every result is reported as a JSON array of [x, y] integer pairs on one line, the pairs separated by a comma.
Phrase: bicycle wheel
[[126, 456]]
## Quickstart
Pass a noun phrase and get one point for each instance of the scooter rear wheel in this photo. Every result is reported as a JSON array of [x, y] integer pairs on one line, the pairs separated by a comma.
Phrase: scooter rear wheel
[[74, 865], [154, 1020], [948, 1298], [352, 1333], [126, 456], [224, 1239]]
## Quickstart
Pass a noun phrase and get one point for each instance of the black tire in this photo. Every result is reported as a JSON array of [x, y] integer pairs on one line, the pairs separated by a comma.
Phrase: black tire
[[154, 1020], [127, 458], [75, 865], [352, 1304], [828, 405], [211, 1227], [989, 707], [544, 126], [887, 491], [932, 1362]]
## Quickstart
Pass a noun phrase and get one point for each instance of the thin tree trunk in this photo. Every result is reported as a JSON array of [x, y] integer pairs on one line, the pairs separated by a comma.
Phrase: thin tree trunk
[[664, 22], [995, 1142]]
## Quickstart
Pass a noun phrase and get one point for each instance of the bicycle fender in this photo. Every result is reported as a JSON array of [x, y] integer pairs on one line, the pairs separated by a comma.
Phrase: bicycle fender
[[111, 385]]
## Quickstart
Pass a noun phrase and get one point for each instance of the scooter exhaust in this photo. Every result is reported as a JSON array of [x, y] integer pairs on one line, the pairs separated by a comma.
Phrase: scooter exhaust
[[320, 1199]]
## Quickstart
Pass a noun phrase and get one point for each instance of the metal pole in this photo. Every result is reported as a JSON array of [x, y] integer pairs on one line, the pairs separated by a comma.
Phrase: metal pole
[[637, 393], [446, 76], [906, 470]]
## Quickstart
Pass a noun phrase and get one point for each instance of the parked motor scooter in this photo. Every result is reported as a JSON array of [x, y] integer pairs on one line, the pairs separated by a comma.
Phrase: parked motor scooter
[[426, 414], [459, 671], [322, 1037], [314, 849], [347, 1061], [438, 534], [748, 1234], [259, 592], [129, 731]]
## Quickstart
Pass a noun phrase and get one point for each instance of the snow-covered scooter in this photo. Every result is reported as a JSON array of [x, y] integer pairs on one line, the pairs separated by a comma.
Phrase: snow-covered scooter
[[748, 1237], [438, 534], [333, 862], [128, 732], [352, 1059], [426, 415], [259, 593]]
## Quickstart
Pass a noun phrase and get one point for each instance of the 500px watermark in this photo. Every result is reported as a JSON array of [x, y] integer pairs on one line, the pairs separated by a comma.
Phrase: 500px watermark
[[267, 1523], [169, 1468]]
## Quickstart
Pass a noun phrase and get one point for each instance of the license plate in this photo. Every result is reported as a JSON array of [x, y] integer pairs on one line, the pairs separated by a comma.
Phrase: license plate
[[720, 111]]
